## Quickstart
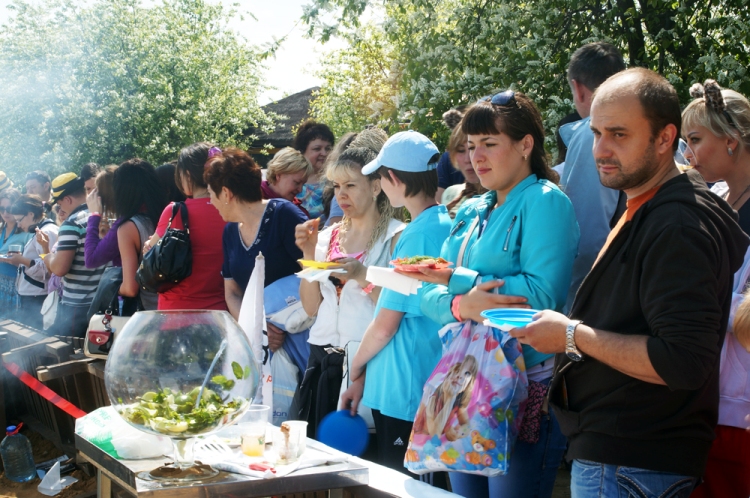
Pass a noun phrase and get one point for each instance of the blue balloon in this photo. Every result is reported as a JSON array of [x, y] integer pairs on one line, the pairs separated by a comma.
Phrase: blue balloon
[[344, 432]]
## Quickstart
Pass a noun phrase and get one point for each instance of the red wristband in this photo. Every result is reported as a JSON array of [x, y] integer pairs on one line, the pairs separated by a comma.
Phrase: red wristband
[[455, 308], [369, 288]]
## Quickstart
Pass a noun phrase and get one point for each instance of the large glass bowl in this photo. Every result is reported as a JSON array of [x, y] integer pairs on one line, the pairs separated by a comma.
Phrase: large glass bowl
[[181, 374]]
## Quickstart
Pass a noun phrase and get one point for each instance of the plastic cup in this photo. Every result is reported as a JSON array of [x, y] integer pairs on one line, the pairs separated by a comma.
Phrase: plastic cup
[[300, 426], [253, 429], [286, 443], [15, 249]]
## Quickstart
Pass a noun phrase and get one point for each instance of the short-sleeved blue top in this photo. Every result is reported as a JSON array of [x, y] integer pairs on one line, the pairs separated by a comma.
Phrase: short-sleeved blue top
[[275, 240], [396, 375]]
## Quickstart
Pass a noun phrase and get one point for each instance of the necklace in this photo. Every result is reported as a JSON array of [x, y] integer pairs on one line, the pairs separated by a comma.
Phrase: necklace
[[726, 198]]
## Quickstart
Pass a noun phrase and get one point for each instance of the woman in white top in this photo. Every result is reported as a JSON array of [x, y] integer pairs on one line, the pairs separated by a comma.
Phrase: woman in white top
[[344, 303], [33, 276]]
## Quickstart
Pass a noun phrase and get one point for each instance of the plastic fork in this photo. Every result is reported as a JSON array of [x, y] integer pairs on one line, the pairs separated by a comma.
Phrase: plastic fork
[[213, 450]]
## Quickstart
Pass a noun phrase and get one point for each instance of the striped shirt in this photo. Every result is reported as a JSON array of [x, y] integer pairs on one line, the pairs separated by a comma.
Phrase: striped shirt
[[80, 283]]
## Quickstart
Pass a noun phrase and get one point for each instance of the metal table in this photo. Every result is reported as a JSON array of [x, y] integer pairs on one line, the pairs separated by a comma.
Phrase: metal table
[[124, 473]]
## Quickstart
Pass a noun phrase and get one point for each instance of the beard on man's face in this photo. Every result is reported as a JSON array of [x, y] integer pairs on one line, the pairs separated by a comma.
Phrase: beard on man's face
[[641, 173]]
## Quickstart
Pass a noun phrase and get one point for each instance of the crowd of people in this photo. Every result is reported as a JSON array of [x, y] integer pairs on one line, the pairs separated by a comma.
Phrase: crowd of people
[[639, 362]]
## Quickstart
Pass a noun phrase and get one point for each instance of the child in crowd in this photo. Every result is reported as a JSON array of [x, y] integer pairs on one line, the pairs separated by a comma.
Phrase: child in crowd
[[401, 346]]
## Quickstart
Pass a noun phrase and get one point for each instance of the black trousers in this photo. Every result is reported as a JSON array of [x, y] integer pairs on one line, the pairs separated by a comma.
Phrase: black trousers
[[318, 393]]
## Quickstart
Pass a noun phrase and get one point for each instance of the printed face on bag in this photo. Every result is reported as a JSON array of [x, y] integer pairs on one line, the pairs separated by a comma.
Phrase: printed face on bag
[[462, 378]]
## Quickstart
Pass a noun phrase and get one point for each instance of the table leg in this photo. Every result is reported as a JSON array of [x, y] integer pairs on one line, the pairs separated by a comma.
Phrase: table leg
[[103, 485]]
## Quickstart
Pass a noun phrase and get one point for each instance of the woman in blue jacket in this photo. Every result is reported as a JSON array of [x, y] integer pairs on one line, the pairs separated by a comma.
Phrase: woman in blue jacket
[[518, 242]]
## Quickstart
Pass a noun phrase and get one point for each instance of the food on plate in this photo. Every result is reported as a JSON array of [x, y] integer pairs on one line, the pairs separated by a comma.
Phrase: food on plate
[[318, 265], [414, 263]]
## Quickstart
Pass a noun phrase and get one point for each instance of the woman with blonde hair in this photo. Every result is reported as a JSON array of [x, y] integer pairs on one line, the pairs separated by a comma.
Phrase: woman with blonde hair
[[345, 302], [716, 127], [446, 411], [286, 176]]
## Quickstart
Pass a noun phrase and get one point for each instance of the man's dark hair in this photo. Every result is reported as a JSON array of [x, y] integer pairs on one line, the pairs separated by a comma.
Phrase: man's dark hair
[[593, 63], [416, 182], [137, 190], [309, 131], [659, 100], [38, 175], [89, 171]]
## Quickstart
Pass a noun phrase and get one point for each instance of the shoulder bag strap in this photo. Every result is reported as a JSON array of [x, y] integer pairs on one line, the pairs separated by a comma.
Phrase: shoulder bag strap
[[175, 207], [184, 214], [460, 259]]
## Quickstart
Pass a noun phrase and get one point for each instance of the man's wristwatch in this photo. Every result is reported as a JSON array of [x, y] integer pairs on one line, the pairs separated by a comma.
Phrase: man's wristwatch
[[570, 341]]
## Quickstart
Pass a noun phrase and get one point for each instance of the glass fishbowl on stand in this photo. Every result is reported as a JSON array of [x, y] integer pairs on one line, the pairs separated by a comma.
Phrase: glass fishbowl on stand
[[181, 374]]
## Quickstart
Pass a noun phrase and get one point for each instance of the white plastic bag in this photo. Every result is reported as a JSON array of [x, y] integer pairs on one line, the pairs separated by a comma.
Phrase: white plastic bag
[[106, 429], [49, 309]]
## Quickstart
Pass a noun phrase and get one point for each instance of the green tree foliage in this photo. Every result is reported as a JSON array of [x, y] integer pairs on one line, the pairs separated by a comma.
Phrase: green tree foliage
[[112, 79], [360, 84], [451, 52]]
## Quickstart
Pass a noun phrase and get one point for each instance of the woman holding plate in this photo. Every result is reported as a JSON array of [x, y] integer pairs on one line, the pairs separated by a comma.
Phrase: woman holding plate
[[513, 246], [344, 303]]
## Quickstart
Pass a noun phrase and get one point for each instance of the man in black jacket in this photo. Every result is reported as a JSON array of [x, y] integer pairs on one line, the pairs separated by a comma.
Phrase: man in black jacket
[[636, 381]]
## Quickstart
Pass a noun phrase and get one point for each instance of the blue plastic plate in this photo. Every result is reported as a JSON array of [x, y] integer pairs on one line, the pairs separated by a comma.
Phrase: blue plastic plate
[[506, 319], [343, 432]]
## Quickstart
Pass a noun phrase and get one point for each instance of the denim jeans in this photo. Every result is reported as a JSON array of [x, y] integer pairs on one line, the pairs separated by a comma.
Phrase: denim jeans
[[533, 468], [594, 480]]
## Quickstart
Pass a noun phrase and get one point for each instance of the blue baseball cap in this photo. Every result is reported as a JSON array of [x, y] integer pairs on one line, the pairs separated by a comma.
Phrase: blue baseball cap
[[405, 151]]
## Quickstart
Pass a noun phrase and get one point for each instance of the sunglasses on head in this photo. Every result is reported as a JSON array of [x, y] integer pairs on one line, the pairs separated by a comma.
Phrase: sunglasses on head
[[503, 98]]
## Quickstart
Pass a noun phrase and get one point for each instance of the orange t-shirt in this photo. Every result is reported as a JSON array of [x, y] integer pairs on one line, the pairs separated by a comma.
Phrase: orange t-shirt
[[633, 205]]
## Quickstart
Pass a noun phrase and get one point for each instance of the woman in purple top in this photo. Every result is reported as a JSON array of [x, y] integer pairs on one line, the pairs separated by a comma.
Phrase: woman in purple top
[[101, 250]]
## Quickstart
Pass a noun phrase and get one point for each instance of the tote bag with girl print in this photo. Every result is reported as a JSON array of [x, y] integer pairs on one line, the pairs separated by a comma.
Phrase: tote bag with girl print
[[472, 404]]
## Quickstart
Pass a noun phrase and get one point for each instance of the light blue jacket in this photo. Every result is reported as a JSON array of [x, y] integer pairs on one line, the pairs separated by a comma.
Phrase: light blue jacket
[[530, 242], [594, 203]]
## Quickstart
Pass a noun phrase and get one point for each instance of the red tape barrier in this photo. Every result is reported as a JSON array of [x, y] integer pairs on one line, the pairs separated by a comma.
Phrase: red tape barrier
[[44, 391]]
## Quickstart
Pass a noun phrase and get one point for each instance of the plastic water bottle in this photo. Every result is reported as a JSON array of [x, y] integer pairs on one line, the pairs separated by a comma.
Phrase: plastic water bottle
[[18, 459]]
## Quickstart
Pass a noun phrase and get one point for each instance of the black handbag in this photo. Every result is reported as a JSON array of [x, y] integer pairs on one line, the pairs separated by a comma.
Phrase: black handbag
[[105, 316], [170, 260]]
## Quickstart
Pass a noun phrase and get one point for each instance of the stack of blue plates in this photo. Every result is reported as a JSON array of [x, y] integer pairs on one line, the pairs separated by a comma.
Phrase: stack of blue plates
[[508, 318]]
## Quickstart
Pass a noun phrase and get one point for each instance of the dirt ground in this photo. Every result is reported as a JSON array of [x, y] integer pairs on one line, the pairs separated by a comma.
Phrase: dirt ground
[[43, 451]]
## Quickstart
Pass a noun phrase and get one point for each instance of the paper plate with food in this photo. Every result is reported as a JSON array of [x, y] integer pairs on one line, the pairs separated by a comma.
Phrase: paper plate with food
[[416, 263], [318, 265]]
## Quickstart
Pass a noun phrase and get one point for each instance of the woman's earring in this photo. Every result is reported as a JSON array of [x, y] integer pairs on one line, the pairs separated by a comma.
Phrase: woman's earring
[[730, 151]]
